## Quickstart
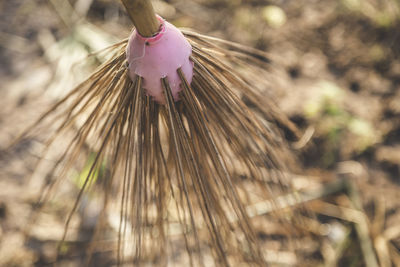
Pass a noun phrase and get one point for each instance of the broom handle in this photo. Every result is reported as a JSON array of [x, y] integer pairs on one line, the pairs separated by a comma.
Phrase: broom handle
[[143, 16]]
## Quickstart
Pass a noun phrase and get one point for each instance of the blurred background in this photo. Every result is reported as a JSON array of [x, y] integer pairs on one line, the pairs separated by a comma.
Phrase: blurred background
[[338, 80]]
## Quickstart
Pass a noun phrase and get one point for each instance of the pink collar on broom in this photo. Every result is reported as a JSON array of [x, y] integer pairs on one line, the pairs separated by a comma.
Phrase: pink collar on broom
[[159, 56]]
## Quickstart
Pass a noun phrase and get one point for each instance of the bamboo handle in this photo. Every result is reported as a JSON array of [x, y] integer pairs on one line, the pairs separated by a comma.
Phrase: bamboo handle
[[143, 17]]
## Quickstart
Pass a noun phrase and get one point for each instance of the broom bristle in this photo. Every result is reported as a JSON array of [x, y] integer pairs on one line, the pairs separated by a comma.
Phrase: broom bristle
[[174, 168]]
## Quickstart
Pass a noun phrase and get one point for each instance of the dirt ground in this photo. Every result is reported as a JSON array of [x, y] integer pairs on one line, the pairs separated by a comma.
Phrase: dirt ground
[[339, 82]]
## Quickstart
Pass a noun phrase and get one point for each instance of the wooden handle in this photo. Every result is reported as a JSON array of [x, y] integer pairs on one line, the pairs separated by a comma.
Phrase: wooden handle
[[143, 17]]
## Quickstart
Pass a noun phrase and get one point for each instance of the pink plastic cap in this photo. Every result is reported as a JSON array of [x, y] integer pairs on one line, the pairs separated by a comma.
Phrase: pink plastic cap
[[158, 57]]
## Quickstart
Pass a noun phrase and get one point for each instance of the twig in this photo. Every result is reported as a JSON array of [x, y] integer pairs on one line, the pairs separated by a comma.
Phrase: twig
[[295, 198], [362, 227], [142, 14]]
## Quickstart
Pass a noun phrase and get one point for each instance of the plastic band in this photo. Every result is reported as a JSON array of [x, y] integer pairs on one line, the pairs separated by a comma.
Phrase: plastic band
[[158, 35]]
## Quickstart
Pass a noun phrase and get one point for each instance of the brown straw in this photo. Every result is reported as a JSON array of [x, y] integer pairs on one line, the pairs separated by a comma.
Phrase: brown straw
[[173, 172]]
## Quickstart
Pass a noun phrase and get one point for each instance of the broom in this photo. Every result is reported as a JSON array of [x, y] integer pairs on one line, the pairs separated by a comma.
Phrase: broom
[[174, 117]]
